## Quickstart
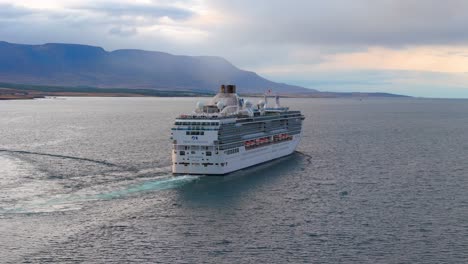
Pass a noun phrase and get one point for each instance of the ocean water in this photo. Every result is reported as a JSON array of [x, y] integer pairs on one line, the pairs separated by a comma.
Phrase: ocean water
[[373, 181]]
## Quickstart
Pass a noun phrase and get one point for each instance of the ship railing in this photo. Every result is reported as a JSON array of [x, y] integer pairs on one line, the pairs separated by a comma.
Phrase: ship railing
[[290, 132], [194, 128], [272, 139], [205, 116], [264, 141], [235, 114], [247, 121], [269, 118], [249, 135]]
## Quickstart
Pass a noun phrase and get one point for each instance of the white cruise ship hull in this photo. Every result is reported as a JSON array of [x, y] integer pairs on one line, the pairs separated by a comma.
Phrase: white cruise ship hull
[[240, 160]]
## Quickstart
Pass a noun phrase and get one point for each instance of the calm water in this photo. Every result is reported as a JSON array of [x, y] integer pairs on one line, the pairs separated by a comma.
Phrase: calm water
[[378, 181]]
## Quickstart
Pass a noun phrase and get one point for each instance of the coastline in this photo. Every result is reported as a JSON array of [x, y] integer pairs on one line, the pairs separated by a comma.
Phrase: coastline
[[30, 95], [29, 92], [10, 91]]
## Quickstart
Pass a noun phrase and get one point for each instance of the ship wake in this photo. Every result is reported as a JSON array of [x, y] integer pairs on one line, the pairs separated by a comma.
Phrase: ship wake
[[26, 189]]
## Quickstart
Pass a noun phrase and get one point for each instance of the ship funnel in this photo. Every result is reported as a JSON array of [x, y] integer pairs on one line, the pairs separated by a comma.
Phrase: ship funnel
[[231, 89]]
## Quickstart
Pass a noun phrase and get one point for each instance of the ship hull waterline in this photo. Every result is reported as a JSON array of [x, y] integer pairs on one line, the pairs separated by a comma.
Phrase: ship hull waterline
[[243, 160]]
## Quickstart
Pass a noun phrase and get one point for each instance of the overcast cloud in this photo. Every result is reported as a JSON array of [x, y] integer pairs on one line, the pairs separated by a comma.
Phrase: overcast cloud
[[392, 46], [357, 22]]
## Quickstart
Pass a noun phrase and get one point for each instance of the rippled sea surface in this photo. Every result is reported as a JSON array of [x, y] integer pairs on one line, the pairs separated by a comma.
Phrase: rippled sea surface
[[374, 181]]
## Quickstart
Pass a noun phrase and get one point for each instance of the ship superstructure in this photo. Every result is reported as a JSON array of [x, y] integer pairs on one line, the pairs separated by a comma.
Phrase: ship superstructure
[[230, 134]]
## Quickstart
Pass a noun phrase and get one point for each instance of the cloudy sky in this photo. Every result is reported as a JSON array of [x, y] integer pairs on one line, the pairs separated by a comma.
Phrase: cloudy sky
[[413, 47]]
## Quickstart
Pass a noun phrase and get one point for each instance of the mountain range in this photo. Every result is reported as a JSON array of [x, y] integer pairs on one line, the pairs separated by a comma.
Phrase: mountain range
[[76, 65]]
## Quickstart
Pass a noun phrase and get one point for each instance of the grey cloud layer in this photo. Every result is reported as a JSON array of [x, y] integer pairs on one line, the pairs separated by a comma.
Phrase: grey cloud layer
[[279, 22], [8, 11], [146, 10], [98, 14], [123, 32], [357, 22], [20, 23]]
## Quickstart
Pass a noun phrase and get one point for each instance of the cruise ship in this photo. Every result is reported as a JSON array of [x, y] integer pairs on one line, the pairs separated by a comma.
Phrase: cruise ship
[[231, 134]]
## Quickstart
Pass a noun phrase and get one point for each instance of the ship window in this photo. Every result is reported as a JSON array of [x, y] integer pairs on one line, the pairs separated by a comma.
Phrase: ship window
[[182, 153], [202, 133], [193, 152], [187, 133], [208, 153]]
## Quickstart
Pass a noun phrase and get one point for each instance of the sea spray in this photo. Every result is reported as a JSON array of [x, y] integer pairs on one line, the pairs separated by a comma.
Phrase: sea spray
[[157, 185], [74, 202]]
